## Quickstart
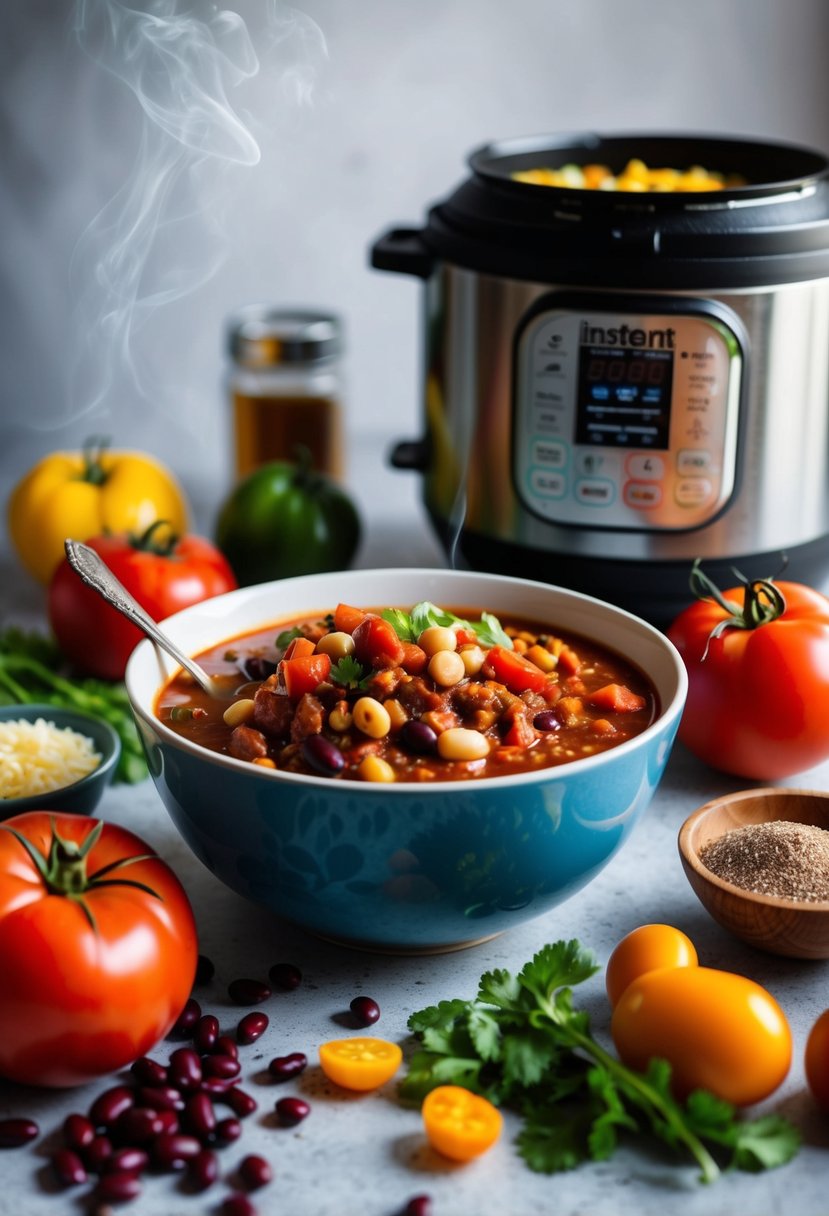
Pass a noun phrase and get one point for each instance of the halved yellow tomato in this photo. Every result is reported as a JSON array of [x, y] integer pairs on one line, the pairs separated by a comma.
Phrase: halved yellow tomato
[[360, 1063], [459, 1124]]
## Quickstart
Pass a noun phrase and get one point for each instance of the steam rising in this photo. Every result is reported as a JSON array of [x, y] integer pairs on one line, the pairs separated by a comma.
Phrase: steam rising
[[160, 237]]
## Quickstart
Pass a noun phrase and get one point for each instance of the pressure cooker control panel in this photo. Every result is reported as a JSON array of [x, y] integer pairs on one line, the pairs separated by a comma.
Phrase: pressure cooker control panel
[[626, 419]]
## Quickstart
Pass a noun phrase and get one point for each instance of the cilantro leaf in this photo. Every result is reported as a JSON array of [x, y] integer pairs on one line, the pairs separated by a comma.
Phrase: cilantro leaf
[[347, 672], [490, 632], [401, 622], [284, 639], [764, 1143], [442, 1015]]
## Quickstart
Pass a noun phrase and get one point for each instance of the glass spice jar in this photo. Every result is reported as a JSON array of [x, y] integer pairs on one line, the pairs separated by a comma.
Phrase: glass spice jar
[[286, 389]]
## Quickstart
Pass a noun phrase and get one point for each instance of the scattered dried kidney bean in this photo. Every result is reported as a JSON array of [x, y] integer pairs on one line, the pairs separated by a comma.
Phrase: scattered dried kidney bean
[[118, 1188], [238, 1204], [224, 1067], [228, 1130], [78, 1131], [161, 1097], [185, 1071], [418, 1205], [240, 1102], [68, 1167], [205, 1033], [148, 1072], [285, 976], [225, 1045], [129, 1160], [248, 992], [199, 1115], [166, 1121], [96, 1152], [251, 1027], [203, 1170], [110, 1104], [290, 1111], [136, 1126], [283, 1068], [255, 1172], [186, 1020], [365, 1011], [174, 1151]]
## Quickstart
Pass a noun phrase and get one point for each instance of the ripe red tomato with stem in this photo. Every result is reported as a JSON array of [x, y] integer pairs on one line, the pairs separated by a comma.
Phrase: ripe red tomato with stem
[[757, 657], [98, 948], [164, 572]]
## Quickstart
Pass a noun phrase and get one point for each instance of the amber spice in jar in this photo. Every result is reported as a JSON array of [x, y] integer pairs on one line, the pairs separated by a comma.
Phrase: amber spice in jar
[[782, 858], [285, 388]]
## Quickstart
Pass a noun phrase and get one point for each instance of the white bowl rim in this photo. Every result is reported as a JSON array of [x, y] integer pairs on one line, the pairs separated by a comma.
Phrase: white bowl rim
[[543, 774]]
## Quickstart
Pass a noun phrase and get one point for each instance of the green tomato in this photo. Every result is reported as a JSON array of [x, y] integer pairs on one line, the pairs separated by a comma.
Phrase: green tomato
[[284, 519]]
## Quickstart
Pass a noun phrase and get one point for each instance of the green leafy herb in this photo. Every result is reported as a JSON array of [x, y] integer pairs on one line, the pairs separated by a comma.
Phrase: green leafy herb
[[401, 622], [30, 672], [409, 626], [347, 672], [284, 639], [522, 1043]]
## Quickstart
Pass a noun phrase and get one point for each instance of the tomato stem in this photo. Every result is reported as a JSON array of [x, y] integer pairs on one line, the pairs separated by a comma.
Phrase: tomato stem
[[148, 542], [763, 602], [93, 449]]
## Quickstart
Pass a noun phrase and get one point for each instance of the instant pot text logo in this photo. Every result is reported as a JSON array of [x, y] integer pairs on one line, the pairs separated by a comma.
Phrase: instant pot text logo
[[626, 335]]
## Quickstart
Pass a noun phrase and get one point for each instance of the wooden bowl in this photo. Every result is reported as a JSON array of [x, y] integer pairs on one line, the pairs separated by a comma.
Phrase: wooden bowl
[[793, 928]]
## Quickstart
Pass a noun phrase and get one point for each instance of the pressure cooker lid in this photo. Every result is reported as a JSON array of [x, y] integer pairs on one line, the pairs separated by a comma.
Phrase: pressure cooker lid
[[769, 224]]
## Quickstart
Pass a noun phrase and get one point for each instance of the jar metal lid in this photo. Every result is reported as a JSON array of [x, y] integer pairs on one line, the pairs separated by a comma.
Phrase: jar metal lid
[[260, 336]]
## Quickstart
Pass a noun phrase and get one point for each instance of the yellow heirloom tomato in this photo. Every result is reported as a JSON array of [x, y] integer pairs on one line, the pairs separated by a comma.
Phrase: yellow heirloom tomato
[[83, 494]]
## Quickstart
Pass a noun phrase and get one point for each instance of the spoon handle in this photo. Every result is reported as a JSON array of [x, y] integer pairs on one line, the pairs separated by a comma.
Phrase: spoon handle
[[94, 571]]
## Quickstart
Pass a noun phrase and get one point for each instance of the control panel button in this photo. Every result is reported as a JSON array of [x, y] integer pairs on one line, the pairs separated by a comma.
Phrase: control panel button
[[693, 491], [549, 453], [644, 467], [691, 462], [595, 491], [547, 485], [643, 495], [595, 464]]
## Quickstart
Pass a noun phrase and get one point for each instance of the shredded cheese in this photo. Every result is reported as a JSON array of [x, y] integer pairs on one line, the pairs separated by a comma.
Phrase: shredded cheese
[[36, 757]]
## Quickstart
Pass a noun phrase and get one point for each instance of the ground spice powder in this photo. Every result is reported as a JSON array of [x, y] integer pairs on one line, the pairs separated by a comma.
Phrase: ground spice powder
[[785, 859]]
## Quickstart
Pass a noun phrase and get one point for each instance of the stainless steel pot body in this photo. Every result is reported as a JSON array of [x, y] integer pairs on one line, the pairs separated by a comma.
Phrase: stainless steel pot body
[[776, 500]]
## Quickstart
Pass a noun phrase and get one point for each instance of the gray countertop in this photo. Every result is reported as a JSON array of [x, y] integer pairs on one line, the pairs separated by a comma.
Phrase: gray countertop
[[366, 1154]]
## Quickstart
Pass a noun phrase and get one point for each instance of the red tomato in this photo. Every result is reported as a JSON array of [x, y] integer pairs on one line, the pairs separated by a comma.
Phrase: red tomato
[[518, 673], [376, 643], [163, 578], [757, 695], [304, 674], [817, 1061], [93, 980]]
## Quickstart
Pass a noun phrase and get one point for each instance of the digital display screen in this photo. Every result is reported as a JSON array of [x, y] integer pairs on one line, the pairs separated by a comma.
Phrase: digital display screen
[[624, 397]]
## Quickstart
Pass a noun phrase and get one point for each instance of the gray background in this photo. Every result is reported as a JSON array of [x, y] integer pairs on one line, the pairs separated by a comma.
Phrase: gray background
[[363, 113]]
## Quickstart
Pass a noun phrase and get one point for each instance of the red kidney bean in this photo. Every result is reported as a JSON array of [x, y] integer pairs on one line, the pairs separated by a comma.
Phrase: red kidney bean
[[251, 1027], [248, 992], [204, 970], [78, 1131], [255, 1172], [205, 1033], [241, 1103], [283, 1068], [285, 976], [186, 1020], [290, 1111], [217, 1086], [16, 1132], [548, 720], [161, 1097], [185, 1071], [366, 1011], [167, 1121], [418, 737], [173, 1152], [225, 1045], [238, 1204], [126, 1160], [110, 1104], [136, 1126], [118, 1188], [96, 1152], [322, 755], [418, 1205], [228, 1130], [203, 1170], [68, 1167], [224, 1067], [148, 1072], [199, 1115]]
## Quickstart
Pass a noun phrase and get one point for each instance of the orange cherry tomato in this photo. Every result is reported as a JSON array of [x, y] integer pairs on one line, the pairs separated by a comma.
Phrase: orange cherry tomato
[[459, 1124], [817, 1061], [647, 948], [718, 1031], [360, 1063]]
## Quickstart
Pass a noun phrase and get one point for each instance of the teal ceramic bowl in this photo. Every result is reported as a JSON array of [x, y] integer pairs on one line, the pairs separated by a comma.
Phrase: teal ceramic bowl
[[406, 867], [81, 797]]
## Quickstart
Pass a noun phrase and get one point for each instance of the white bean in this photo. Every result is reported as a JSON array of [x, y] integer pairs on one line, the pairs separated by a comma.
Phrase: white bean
[[460, 743]]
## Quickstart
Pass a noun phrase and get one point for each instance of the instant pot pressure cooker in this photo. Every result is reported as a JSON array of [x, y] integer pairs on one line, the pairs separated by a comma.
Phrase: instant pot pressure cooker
[[618, 383]]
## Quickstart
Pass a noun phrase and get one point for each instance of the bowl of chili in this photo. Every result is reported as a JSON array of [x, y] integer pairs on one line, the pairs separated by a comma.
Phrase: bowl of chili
[[409, 760]]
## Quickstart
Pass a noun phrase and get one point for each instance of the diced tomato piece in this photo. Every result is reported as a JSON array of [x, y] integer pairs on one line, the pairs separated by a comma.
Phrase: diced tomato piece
[[466, 637], [519, 733], [602, 726], [571, 710], [618, 698], [304, 674], [376, 643], [414, 658], [568, 661], [346, 618], [299, 648], [516, 672]]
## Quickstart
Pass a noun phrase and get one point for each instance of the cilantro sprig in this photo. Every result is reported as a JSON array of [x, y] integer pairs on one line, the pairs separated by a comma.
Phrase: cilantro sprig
[[410, 625], [522, 1043]]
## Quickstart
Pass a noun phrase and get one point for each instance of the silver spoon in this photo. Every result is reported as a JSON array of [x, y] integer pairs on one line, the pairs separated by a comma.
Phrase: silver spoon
[[94, 571]]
